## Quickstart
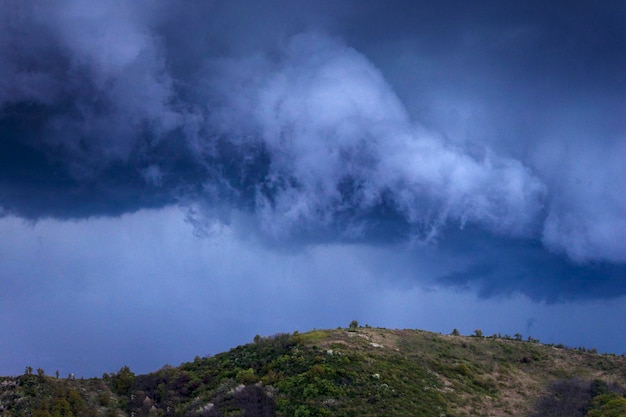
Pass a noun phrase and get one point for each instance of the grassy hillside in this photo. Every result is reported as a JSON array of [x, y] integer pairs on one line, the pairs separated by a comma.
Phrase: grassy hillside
[[345, 372]]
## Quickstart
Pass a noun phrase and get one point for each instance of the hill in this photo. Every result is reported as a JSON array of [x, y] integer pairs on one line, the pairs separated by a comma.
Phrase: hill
[[345, 372]]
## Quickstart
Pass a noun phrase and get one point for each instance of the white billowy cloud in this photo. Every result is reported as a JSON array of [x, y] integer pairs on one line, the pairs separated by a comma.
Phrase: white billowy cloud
[[587, 215], [327, 117]]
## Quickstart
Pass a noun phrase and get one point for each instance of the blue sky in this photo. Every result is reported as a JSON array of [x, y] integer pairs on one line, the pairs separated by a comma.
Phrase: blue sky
[[175, 180]]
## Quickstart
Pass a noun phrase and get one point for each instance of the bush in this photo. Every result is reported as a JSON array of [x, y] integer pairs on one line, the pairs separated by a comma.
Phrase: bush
[[608, 405], [247, 377], [104, 399]]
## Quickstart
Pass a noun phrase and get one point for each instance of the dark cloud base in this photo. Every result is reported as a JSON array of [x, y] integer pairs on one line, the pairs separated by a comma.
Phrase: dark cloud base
[[39, 179], [506, 267]]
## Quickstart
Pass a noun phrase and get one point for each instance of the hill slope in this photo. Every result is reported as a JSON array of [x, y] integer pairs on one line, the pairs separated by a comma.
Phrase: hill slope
[[345, 372]]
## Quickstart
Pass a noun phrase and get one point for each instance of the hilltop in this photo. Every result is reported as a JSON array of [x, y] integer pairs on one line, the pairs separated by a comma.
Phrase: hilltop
[[345, 372]]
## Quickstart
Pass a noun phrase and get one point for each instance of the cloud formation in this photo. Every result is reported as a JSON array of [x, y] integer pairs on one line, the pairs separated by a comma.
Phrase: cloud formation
[[97, 70], [118, 106], [341, 145]]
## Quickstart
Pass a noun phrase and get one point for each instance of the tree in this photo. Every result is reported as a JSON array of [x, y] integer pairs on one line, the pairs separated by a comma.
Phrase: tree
[[354, 324], [478, 333], [455, 332], [123, 381], [517, 336]]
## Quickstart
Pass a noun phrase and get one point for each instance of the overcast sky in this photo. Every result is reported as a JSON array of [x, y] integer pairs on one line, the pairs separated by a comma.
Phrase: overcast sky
[[178, 176]]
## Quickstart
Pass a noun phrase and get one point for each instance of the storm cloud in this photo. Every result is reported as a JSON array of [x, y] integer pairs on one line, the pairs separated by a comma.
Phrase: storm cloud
[[486, 140]]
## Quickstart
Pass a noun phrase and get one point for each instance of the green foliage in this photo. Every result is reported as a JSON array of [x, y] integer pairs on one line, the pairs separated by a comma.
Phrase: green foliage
[[122, 382], [76, 402], [354, 324], [310, 337], [599, 387], [608, 405], [61, 408], [354, 372], [103, 399], [247, 377], [42, 396]]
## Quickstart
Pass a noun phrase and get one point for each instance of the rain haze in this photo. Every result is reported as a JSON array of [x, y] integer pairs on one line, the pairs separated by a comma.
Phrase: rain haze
[[179, 176]]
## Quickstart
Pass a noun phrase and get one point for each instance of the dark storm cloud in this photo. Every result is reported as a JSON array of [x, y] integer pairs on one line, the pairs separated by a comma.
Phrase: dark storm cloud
[[335, 122], [87, 111], [321, 115], [492, 267]]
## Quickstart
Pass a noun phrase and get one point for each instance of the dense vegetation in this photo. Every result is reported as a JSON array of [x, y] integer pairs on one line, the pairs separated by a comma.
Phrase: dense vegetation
[[345, 372]]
